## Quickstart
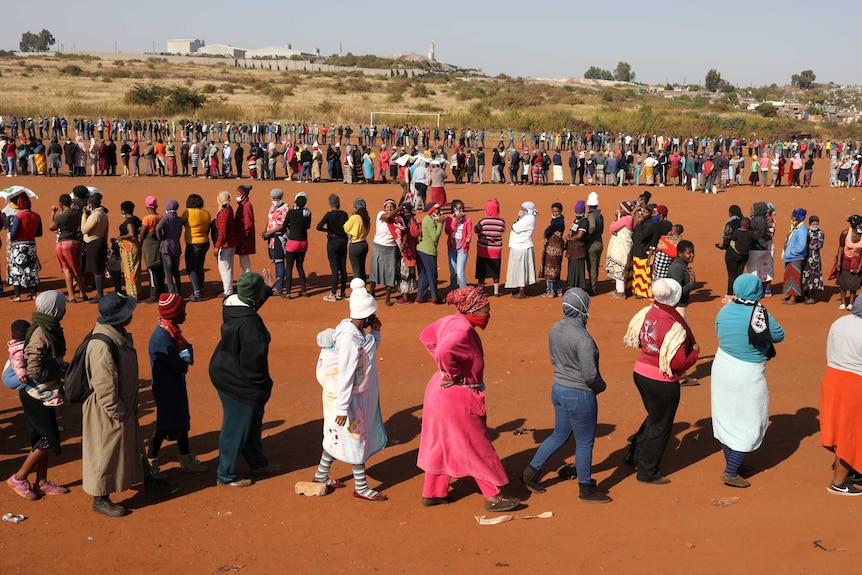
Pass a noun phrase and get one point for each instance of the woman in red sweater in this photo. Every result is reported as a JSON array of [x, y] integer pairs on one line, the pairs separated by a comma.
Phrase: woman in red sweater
[[225, 242], [23, 263], [668, 350]]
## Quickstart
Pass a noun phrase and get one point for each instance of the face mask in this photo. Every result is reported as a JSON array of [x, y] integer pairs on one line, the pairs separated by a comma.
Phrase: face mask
[[480, 321], [240, 198], [655, 219], [370, 320], [277, 203]]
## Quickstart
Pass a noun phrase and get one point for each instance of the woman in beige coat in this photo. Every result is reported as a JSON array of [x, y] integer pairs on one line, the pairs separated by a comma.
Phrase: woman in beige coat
[[112, 440]]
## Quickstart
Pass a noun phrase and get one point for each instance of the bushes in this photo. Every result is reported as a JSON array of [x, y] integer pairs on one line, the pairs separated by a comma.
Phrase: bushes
[[71, 70], [169, 100]]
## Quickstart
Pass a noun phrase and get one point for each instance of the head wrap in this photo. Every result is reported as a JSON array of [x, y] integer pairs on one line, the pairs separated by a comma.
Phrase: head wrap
[[576, 303], [171, 305], [580, 207], [530, 208], [468, 299], [172, 205], [492, 209], [667, 291], [151, 202], [749, 290], [626, 207], [359, 204], [431, 207], [362, 304], [799, 214], [51, 303]]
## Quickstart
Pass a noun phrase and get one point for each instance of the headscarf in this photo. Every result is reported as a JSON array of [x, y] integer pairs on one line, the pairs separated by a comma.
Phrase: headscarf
[[170, 307], [23, 202], [530, 208], [749, 290], [50, 308], [492, 209], [223, 198], [172, 206], [580, 207], [468, 299], [359, 204], [576, 304]]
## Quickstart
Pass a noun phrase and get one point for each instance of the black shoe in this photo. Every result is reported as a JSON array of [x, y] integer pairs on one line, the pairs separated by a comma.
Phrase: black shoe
[[104, 506], [590, 494], [629, 457], [567, 472], [530, 479], [159, 488], [434, 501]]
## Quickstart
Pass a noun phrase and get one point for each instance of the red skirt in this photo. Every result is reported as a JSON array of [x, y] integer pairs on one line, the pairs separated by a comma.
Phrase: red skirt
[[841, 415], [69, 255]]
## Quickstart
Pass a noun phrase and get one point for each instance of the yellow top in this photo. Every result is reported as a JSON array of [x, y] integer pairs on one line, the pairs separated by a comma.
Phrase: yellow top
[[355, 228], [196, 222]]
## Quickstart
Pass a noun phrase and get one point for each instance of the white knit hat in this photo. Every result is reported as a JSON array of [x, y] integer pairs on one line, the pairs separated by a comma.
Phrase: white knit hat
[[362, 305], [593, 199]]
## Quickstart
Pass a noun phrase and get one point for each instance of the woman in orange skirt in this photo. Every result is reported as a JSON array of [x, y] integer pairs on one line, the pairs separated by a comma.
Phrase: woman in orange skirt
[[841, 402]]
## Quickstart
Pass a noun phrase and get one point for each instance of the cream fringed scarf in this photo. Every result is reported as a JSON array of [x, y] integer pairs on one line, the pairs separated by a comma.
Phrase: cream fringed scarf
[[674, 338]]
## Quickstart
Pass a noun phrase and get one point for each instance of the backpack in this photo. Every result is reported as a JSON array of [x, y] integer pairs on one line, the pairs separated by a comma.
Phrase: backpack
[[77, 383]]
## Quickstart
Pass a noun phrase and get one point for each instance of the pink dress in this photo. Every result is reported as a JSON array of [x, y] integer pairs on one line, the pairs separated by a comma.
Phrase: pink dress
[[455, 438]]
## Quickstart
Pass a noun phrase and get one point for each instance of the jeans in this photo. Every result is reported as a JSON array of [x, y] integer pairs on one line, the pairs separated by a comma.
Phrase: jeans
[[336, 251], [171, 265], [195, 256], [358, 255], [241, 429], [575, 412], [660, 398], [427, 277], [457, 265]]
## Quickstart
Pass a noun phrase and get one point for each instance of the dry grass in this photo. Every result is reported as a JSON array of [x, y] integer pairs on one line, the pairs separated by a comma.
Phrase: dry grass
[[89, 87]]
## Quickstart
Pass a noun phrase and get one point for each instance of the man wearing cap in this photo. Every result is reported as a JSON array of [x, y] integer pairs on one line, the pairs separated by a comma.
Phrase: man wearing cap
[[112, 444], [353, 427], [243, 220], [239, 370], [594, 240]]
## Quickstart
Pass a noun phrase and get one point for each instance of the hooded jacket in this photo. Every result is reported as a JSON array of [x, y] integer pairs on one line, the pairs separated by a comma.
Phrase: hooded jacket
[[758, 225], [574, 354], [240, 363]]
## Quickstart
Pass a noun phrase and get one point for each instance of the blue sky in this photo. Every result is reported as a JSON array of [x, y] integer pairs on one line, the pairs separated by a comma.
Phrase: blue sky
[[749, 43]]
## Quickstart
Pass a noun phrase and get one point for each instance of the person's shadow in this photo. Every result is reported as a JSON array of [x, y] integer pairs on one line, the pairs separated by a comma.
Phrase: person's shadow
[[785, 434]]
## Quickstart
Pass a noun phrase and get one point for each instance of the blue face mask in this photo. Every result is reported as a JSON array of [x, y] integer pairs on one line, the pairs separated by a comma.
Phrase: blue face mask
[[655, 219]]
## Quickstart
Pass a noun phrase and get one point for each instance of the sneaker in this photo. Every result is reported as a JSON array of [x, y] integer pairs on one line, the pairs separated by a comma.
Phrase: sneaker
[[189, 463], [854, 477], [845, 488], [330, 297], [21, 488], [842, 307], [50, 488]]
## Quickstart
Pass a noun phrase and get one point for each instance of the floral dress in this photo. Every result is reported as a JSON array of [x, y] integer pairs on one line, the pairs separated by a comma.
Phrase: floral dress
[[812, 270]]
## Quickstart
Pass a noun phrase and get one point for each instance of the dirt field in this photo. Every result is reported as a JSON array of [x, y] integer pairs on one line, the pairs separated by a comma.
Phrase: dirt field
[[265, 528]]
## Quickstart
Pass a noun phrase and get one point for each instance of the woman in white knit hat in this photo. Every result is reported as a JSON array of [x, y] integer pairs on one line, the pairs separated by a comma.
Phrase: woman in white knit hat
[[347, 370]]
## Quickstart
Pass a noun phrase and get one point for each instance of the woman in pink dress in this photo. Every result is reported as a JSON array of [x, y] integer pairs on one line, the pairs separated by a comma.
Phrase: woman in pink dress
[[455, 440]]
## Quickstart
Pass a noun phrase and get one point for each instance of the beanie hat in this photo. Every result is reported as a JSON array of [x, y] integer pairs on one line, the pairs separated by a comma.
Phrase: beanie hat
[[250, 287], [171, 305], [362, 304], [244, 190], [276, 193], [172, 205], [593, 199], [151, 202], [580, 207]]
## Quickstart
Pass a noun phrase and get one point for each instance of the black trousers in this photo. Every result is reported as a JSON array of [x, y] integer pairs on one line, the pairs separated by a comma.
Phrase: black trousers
[[358, 256], [291, 258], [660, 398], [735, 264], [336, 251]]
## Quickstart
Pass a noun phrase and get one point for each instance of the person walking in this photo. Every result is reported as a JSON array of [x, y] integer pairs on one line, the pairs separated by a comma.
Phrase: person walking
[[455, 440], [239, 370], [577, 381], [347, 370], [668, 350], [747, 335]]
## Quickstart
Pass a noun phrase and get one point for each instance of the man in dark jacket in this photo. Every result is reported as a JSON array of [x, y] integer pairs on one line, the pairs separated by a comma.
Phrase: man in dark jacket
[[239, 370]]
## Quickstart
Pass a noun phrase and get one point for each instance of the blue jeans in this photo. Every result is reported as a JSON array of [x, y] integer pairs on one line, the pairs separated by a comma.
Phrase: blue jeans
[[241, 429], [457, 265], [575, 411]]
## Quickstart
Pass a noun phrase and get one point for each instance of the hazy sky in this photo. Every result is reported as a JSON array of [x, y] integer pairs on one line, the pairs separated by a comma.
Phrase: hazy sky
[[747, 42]]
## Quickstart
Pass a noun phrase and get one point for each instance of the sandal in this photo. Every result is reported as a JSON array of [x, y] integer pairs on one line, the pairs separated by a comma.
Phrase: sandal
[[16, 299], [375, 497], [504, 504], [71, 300]]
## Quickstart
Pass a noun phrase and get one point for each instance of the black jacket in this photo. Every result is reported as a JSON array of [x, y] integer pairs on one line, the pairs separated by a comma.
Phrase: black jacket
[[240, 363]]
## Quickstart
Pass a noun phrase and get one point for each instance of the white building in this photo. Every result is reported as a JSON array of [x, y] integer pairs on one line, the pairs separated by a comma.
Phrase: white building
[[222, 50], [285, 51], [184, 45]]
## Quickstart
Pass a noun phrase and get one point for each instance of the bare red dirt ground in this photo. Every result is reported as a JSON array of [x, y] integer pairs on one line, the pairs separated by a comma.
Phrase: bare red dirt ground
[[266, 528]]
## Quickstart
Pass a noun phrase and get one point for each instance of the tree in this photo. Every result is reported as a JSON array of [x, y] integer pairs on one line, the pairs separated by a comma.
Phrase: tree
[[766, 110], [804, 79], [596, 73], [624, 73], [712, 82], [40, 42]]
